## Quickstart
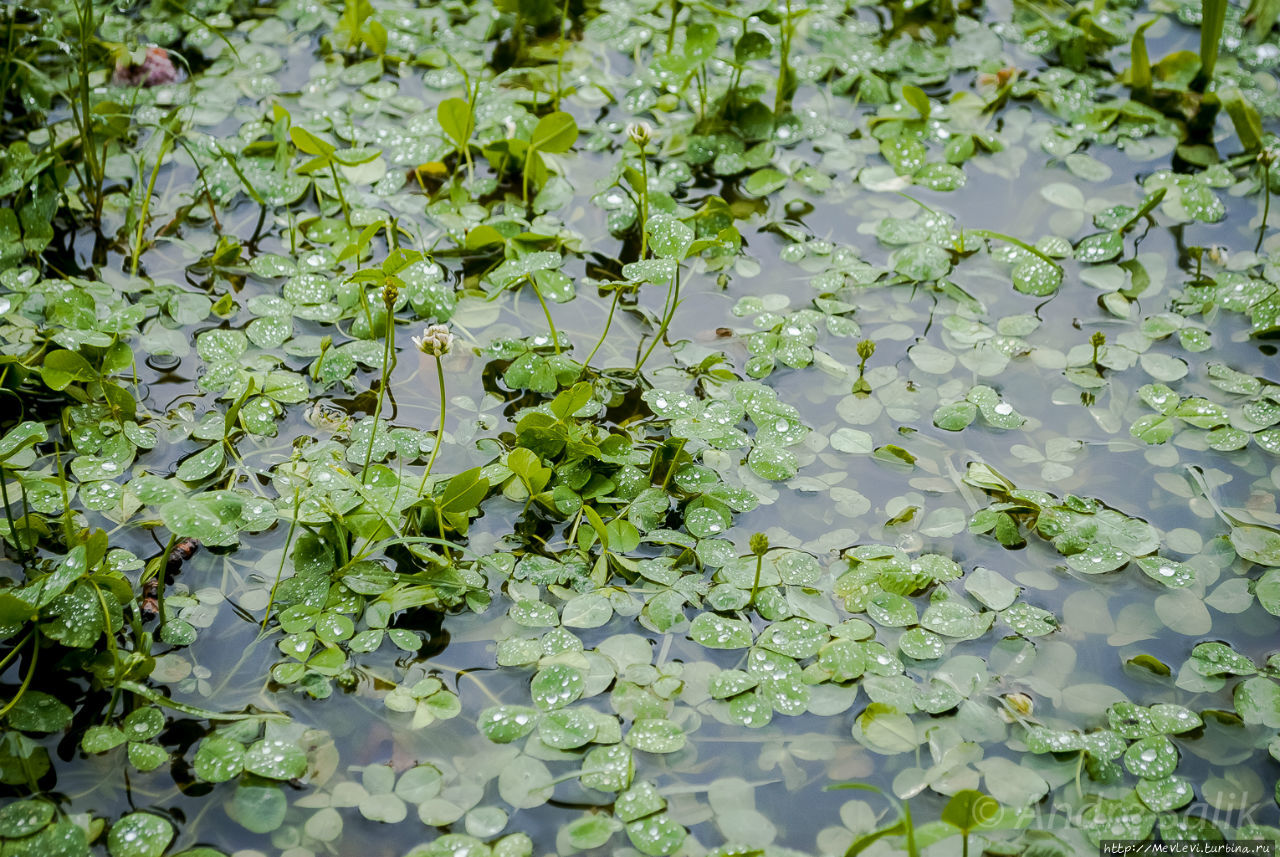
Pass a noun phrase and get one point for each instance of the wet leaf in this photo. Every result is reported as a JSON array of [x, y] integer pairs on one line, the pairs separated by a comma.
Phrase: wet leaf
[[139, 834]]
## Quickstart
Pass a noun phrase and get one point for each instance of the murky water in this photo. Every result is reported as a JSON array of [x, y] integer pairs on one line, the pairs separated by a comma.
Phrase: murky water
[[1075, 441]]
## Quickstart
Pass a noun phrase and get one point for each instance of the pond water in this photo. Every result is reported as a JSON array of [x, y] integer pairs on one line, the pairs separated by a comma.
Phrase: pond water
[[805, 427]]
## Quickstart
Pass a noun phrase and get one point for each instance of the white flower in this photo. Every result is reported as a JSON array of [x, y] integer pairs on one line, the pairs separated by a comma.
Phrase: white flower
[[640, 132], [436, 340]]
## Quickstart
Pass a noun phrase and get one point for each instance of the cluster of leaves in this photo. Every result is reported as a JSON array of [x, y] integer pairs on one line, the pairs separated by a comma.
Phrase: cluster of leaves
[[1094, 538], [1251, 416], [1252, 291], [627, 486]]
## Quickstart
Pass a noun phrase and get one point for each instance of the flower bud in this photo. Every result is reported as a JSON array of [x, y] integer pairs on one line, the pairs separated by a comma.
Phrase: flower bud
[[436, 340], [759, 544], [640, 132]]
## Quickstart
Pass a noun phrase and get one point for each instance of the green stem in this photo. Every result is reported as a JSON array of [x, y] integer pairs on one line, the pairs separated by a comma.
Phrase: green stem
[[1017, 242], [784, 68], [671, 28], [912, 849], [84, 8], [111, 637], [439, 432], [644, 204], [17, 647], [669, 311], [337, 186], [26, 681], [8, 509], [1266, 204], [555, 337], [388, 343], [731, 94], [755, 584], [146, 205], [671, 469], [293, 525], [564, 18], [607, 324], [440, 528], [193, 710], [67, 530]]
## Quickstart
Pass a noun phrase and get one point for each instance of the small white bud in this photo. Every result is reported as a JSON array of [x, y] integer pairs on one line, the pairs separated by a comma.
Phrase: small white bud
[[436, 340], [640, 132]]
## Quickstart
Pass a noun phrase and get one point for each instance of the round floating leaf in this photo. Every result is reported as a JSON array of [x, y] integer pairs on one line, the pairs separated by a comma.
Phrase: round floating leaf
[[143, 724], [147, 757], [640, 800], [795, 638], [485, 822], [419, 783], [608, 769], [1126, 818], [751, 710], [773, 463], [1030, 621], [706, 522], [955, 619], [384, 808], [921, 644], [506, 723], [1257, 701], [1172, 719], [37, 711], [589, 832], [968, 809], [720, 632], [1174, 575], [852, 441], [275, 760], [61, 839], [1257, 544], [892, 610], [590, 610], [955, 416], [1100, 247], [656, 835], [885, 730], [567, 729], [656, 736], [219, 759], [258, 808], [100, 739], [24, 817], [1037, 277], [729, 683], [557, 685], [325, 825], [1165, 794], [993, 589], [1214, 659], [844, 659], [669, 237], [139, 834], [1098, 559], [1151, 758], [921, 262], [1268, 591], [526, 783]]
